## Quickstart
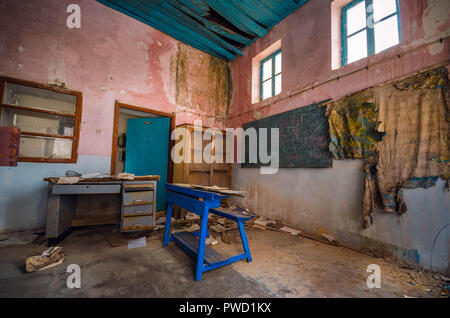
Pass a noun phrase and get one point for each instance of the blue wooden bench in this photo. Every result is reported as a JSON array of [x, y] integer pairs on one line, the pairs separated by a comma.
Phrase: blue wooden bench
[[202, 202]]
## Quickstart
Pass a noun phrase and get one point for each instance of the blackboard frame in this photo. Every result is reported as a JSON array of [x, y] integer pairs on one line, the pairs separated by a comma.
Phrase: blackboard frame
[[308, 126]]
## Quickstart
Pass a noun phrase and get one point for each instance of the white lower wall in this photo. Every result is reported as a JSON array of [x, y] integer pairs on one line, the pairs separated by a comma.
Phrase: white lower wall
[[23, 192]]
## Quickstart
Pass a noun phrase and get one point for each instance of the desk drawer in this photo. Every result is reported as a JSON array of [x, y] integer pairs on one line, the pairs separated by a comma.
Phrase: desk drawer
[[138, 198], [137, 209], [85, 188], [137, 223]]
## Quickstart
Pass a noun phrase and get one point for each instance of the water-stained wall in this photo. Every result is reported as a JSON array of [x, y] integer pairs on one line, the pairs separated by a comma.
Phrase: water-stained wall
[[203, 84]]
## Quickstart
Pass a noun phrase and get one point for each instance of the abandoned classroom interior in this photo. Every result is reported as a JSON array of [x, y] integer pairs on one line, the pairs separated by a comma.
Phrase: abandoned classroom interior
[[96, 96]]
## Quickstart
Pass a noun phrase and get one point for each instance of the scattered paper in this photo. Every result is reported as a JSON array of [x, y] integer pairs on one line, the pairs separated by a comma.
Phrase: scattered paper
[[125, 176], [90, 175], [140, 242], [210, 241], [50, 257], [264, 222], [329, 237], [68, 180], [290, 230], [192, 216]]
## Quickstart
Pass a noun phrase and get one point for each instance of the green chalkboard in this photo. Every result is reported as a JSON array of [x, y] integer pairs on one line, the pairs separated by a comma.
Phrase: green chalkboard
[[303, 138]]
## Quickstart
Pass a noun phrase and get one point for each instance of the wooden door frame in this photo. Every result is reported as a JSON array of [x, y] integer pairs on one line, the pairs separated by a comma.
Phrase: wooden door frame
[[117, 107]]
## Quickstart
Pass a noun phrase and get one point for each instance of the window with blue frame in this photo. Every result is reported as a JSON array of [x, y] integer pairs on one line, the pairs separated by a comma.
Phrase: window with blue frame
[[369, 27], [270, 83]]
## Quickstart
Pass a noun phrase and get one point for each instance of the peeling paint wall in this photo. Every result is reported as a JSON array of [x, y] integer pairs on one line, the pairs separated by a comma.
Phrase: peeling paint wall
[[332, 198], [111, 57], [203, 84]]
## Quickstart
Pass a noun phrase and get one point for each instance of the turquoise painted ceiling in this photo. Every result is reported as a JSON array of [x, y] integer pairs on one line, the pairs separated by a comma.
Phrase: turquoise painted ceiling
[[222, 28]]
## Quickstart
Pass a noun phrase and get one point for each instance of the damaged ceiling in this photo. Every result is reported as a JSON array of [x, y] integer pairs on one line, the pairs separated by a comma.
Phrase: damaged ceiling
[[217, 27]]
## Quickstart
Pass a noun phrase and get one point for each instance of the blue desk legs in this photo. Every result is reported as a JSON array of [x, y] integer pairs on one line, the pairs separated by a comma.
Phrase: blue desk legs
[[201, 244], [167, 229], [244, 241]]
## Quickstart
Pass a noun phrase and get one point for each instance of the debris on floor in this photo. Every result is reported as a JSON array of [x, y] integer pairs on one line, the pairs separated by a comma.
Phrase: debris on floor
[[191, 228], [323, 232], [226, 229], [217, 228], [210, 241], [225, 237], [262, 222], [18, 238], [114, 238], [140, 242], [49, 258], [290, 230], [192, 216], [68, 180]]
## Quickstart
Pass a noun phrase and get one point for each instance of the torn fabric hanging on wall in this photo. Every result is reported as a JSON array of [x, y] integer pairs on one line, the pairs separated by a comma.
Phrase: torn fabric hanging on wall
[[401, 131], [353, 134], [414, 114]]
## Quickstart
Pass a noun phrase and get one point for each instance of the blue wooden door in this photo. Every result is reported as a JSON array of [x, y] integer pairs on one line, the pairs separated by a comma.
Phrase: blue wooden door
[[147, 151]]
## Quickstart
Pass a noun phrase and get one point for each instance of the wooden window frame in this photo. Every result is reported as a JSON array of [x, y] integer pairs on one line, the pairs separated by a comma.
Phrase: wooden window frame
[[272, 78], [76, 130], [118, 105], [370, 32]]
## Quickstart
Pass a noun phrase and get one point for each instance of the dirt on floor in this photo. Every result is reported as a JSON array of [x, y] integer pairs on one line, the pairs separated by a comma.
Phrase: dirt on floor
[[283, 265]]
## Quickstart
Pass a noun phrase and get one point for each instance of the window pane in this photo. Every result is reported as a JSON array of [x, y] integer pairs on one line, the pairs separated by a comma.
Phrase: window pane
[[21, 95], [42, 147], [35, 122], [356, 18], [267, 89], [357, 46], [278, 63], [383, 8], [386, 34], [267, 69], [278, 84]]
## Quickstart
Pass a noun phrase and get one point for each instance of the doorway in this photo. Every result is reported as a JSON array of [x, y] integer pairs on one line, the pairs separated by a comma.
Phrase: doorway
[[141, 145]]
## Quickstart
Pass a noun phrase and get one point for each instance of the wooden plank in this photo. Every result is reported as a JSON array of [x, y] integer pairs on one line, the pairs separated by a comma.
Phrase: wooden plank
[[236, 17], [256, 13], [232, 215], [219, 29], [176, 14], [25, 133], [200, 8], [39, 110], [137, 214], [190, 242]]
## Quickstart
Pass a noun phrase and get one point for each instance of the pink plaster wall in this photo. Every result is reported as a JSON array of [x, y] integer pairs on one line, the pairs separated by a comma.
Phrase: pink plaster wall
[[112, 57], [307, 50]]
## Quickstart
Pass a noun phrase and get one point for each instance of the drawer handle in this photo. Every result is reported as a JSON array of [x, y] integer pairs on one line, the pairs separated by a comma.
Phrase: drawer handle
[[138, 200], [139, 211]]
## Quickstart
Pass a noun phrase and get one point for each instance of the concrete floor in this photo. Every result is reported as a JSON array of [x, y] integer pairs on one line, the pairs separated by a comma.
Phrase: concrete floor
[[283, 266]]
